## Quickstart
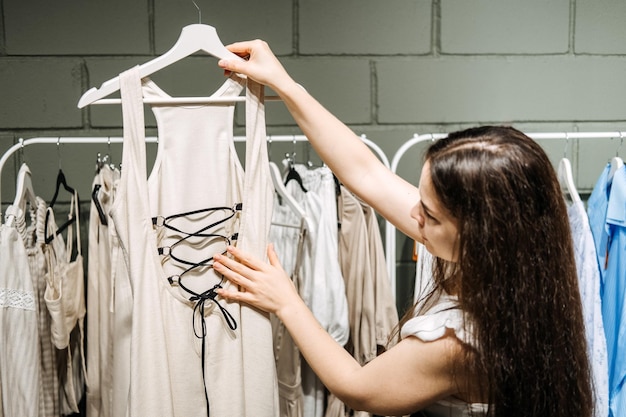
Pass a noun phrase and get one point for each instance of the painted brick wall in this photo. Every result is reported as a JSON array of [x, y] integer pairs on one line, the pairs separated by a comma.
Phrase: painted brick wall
[[387, 68]]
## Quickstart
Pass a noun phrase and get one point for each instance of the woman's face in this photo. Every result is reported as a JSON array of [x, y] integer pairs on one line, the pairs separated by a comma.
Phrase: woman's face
[[438, 228]]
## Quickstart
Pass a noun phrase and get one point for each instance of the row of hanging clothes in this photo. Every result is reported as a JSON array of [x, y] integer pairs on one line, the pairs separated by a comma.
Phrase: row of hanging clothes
[[159, 341], [295, 209], [330, 243], [42, 304], [326, 238], [598, 229]]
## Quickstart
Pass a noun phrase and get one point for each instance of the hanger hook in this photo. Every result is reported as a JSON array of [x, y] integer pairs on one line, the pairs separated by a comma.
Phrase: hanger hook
[[621, 142], [566, 143], [59, 151], [199, 12], [307, 153], [21, 153], [293, 138]]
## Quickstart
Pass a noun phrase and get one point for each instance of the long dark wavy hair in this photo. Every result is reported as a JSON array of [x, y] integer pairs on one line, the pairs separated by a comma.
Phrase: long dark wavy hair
[[516, 275]]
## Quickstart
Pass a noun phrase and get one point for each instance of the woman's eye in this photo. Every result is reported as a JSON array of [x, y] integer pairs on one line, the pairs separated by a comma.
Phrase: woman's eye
[[430, 217]]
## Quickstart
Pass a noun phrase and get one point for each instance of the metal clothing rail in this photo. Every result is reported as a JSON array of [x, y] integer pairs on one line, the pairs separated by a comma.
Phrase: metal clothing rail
[[390, 230], [153, 139], [22, 143]]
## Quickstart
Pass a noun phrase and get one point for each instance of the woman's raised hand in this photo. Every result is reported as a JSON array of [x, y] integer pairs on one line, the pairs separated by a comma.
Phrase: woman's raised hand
[[265, 286], [260, 63]]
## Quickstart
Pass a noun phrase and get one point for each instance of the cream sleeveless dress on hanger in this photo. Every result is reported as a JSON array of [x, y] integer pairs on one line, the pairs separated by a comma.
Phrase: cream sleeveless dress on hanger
[[188, 349]]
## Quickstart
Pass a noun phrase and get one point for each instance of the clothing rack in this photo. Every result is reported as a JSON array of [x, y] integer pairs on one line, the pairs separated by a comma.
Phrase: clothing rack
[[390, 230], [22, 143]]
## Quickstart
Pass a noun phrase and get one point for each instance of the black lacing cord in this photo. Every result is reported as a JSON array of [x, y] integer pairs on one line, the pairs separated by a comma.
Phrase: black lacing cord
[[208, 262], [209, 295], [159, 221], [198, 310], [164, 221], [200, 300], [169, 250]]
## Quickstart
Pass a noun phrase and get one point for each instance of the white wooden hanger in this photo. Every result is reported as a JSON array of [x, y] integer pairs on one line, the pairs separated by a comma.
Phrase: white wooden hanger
[[193, 38], [24, 192], [566, 178], [284, 194]]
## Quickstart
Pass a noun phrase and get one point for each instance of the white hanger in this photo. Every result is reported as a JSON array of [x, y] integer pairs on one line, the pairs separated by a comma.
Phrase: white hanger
[[616, 161], [24, 192], [193, 38], [616, 164], [282, 191], [566, 177]]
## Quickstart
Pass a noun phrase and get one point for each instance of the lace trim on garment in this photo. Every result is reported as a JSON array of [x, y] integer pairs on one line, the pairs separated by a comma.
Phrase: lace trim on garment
[[10, 298]]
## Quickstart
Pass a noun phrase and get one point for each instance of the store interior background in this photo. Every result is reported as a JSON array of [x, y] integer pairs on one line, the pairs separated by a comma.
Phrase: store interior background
[[389, 69]]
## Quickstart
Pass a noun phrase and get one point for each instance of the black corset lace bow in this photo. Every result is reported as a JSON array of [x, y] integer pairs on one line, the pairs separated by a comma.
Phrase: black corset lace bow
[[202, 238]]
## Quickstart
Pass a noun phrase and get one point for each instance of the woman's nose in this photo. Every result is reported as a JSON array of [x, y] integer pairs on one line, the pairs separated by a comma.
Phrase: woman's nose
[[417, 215]]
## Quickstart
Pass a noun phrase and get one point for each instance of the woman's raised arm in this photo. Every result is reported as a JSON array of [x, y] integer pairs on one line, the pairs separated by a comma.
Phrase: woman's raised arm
[[338, 146]]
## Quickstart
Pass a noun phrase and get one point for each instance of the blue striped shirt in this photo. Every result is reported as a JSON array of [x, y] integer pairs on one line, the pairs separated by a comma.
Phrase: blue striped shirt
[[607, 216]]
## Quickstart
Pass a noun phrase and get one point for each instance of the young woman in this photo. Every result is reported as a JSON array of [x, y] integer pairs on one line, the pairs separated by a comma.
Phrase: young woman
[[501, 334]]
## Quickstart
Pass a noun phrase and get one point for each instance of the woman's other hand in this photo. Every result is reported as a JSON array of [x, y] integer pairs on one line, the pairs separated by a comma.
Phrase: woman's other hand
[[265, 286]]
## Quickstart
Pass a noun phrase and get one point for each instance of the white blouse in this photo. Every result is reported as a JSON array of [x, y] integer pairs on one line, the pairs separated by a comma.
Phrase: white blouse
[[432, 325]]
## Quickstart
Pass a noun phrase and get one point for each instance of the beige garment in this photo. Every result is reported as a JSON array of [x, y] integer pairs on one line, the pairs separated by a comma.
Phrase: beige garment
[[354, 256], [289, 244], [100, 296], [19, 336], [355, 268], [386, 312], [65, 299], [33, 237], [122, 326], [173, 334], [372, 309], [288, 368]]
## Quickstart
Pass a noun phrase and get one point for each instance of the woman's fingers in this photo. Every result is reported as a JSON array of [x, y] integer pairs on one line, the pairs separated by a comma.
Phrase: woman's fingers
[[238, 273], [272, 256], [240, 270], [230, 65], [247, 261], [259, 62], [263, 285], [232, 276], [242, 49]]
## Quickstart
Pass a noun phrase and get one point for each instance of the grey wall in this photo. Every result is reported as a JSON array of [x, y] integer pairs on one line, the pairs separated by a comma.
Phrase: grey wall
[[387, 68]]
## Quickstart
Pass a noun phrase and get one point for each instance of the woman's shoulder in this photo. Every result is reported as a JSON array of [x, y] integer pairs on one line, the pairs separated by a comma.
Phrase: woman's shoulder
[[441, 318]]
